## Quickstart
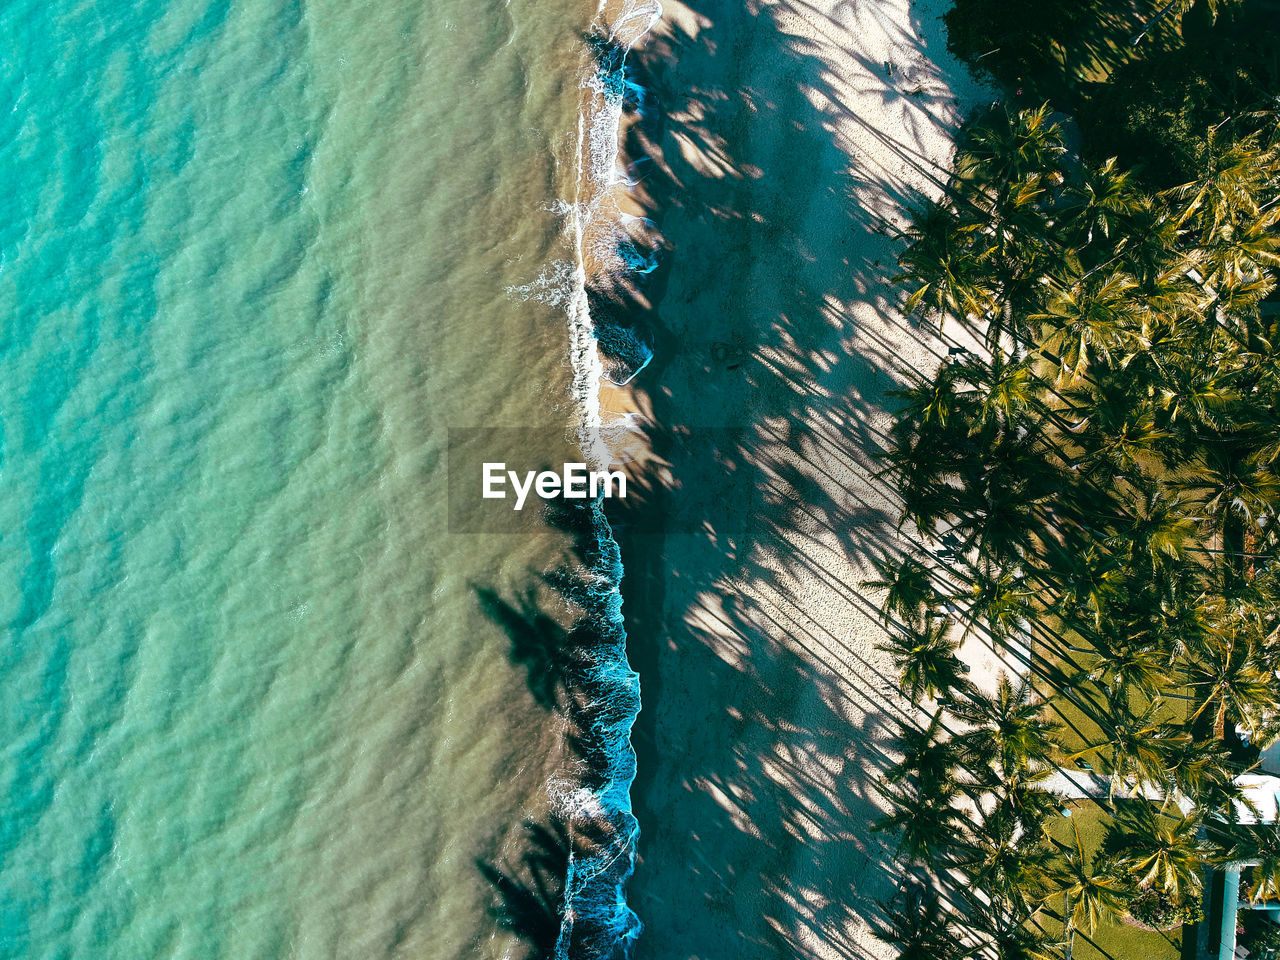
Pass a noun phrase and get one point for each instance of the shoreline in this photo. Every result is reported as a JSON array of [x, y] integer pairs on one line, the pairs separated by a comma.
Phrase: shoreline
[[764, 699], [595, 918]]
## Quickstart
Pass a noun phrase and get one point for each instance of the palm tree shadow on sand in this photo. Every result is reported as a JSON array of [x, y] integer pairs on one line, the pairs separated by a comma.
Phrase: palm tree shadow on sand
[[765, 730]]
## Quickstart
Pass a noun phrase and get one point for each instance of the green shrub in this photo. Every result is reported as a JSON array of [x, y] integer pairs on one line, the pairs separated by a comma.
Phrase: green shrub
[[1153, 907], [1260, 936]]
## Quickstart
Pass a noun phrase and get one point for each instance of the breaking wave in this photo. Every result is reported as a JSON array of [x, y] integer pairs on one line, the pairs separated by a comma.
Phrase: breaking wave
[[610, 247]]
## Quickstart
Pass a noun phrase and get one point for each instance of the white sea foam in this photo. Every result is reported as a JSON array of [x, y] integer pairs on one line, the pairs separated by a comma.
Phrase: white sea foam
[[554, 286], [594, 884]]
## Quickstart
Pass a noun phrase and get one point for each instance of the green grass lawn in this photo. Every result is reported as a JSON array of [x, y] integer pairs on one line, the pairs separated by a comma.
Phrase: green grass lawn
[[1118, 940]]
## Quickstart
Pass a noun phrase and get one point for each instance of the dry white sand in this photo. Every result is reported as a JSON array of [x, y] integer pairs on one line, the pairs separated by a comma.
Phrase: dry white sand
[[788, 152]]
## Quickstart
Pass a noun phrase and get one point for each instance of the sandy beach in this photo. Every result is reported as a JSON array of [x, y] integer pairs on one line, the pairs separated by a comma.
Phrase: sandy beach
[[792, 136]]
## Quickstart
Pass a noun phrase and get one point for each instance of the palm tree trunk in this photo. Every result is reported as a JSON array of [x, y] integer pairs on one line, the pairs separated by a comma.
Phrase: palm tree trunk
[[1068, 927], [1134, 41]]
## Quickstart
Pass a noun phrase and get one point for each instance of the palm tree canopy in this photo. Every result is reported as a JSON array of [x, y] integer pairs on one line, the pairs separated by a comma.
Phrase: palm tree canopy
[[926, 819], [909, 588], [1009, 727], [1157, 849], [1084, 880], [1136, 747], [1259, 844], [919, 927], [926, 659], [1104, 481], [929, 756]]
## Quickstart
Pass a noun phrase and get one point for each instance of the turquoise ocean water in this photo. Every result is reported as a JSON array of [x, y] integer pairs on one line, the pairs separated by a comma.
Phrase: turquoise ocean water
[[255, 260]]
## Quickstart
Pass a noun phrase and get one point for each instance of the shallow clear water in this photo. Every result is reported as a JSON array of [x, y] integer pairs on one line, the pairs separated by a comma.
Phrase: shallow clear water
[[254, 263]]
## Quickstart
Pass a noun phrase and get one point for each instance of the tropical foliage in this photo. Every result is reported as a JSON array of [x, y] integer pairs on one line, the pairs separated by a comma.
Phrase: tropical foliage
[[1149, 102], [1155, 907], [1095, 481]]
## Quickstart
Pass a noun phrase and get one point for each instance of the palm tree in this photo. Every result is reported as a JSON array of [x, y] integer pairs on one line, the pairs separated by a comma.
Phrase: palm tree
[[1089, 579], [1010, 731], [1160, 528], [1004, 173], [1102, 204], [1255, 608], [1010, 935], [1237, 263], [926, 820], [1233, 483], [1203, 772], [1119, 434], [1009, 867], [1157, 849], [920, 927], [942, 267], [1006, 391], [926, 660], [1091, 318], [1258, 844], [1122, 665], [926, 499], [1227, 671], [909, 589], [928, 404], [1021, 799], [924, 449], [929, 757], [1236, 182], [1226, 210], [1090, 893], [1002, 601], [998, 504], [1112, 473], [1136, 746], [1234, 491], [1008, 151]]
